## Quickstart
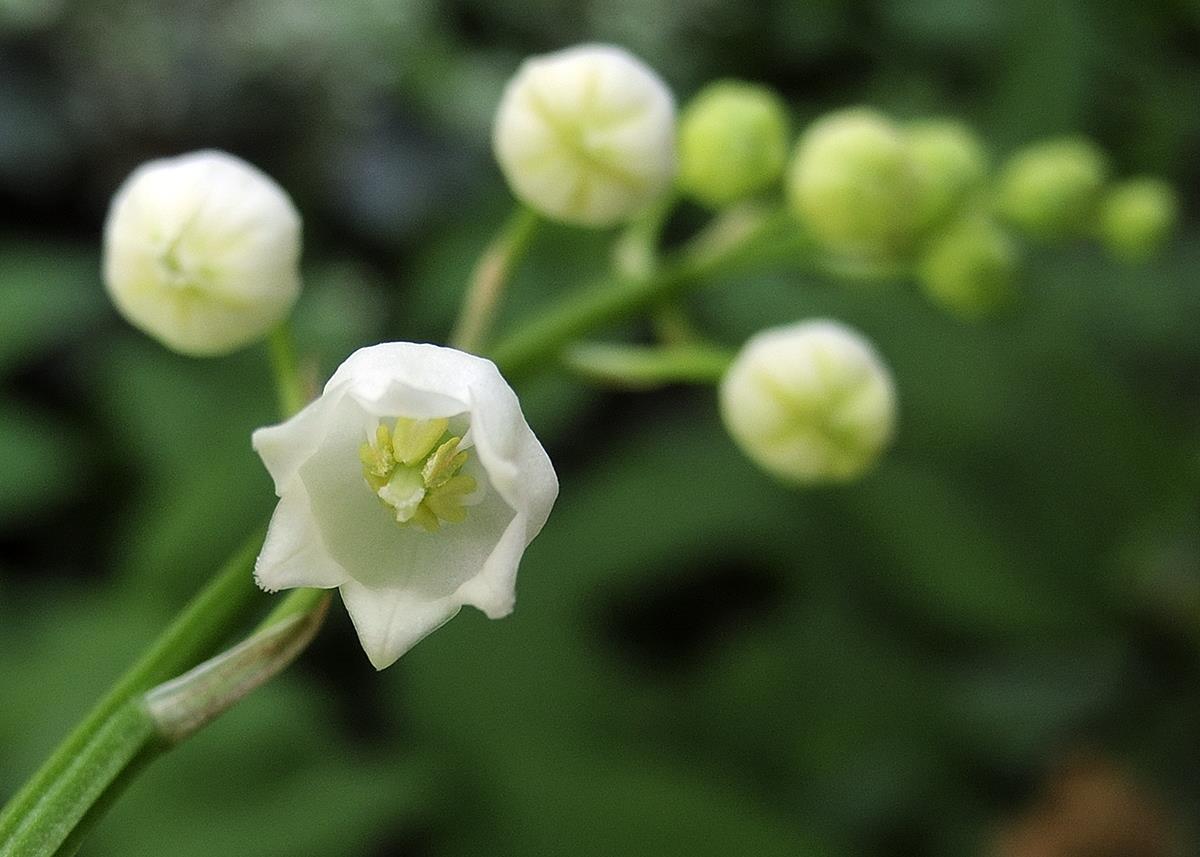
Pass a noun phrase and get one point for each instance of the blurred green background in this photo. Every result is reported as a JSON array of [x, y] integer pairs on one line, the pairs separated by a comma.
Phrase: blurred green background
[[989, 646]]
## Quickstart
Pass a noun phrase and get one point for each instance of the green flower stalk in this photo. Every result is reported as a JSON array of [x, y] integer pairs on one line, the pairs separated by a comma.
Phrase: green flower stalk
[[733, 143], [1051, 190], [1137, 217]]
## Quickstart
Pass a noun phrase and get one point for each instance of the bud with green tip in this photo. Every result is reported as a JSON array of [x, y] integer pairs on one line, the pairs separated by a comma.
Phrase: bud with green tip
[[952, 165], [1137, 217], [810, 403], [202, 252], [586, 135], [1052, 189], [855, 186], [732, 143], [970, 268]]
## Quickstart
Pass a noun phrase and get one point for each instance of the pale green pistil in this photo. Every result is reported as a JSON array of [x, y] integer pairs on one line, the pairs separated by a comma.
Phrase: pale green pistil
[[414, 469]]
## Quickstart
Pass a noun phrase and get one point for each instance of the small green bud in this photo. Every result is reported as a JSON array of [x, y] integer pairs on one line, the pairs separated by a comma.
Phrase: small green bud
[[732, 142], [854, 185], [1137, 216], [1051, 189], [810, 403], [969, 269], [951, 163]]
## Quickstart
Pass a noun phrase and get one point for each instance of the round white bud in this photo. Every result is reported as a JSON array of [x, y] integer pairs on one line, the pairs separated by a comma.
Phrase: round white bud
[[586, 135], [202, 251], [810, 402]]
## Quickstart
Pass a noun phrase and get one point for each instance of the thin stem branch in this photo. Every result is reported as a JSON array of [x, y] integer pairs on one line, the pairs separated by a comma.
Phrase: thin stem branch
[[490, 278], [740, 237], [289, 385], [642, 367]]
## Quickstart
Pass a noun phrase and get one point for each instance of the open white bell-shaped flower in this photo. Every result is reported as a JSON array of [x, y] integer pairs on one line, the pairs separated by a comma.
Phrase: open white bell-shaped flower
[[413, 485]]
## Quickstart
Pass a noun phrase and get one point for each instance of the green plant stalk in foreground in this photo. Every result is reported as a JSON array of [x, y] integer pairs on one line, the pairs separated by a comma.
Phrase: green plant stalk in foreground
[[125, 730], [200, 630]]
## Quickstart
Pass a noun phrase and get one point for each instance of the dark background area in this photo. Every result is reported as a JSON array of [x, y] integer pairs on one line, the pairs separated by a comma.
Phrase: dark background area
[[990, 645]]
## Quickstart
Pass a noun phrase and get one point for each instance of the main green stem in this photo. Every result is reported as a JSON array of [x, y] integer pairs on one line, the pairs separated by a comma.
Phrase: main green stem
[[85, 772], [199, 631]]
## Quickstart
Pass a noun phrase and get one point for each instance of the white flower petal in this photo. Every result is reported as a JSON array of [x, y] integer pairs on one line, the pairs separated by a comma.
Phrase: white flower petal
[[284, 447], [493, 590], [390, 621], [293, 554]]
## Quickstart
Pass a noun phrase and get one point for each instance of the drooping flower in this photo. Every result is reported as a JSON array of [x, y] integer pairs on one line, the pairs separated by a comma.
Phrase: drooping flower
[[413, 485], [202, 252], [586, 135], [810, 403]]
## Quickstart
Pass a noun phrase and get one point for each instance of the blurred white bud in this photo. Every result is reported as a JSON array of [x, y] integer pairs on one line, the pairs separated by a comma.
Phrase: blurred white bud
[[202, 251], [586, 135], [810, 402]]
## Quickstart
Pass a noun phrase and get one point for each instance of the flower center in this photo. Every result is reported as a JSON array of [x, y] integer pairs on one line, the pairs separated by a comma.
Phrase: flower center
[[414, 470]]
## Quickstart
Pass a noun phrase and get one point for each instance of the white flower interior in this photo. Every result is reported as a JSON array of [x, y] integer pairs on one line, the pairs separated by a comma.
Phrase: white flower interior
[[415, 469]]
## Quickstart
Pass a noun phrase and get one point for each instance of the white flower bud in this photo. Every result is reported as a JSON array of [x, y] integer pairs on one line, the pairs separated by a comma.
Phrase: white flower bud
[[202, 252], [810, 402], [413, 485], [586, 135]]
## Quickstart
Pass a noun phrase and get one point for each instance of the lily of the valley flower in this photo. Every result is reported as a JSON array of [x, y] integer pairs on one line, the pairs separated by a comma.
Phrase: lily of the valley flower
[[413, 485]]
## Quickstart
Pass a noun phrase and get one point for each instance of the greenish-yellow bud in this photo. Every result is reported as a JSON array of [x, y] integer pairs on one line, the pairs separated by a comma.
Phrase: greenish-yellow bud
[[1137, 217], [952, 165], [970, 268], [810, 403], [854, 185], [1052, 189], [733, 142]]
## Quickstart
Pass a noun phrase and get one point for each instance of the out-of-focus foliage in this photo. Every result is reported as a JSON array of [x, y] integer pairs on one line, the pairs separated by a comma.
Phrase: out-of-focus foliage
[[701, 661]]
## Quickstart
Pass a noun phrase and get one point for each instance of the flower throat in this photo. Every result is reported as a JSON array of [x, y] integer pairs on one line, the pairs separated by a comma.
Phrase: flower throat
[[414, 470]]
